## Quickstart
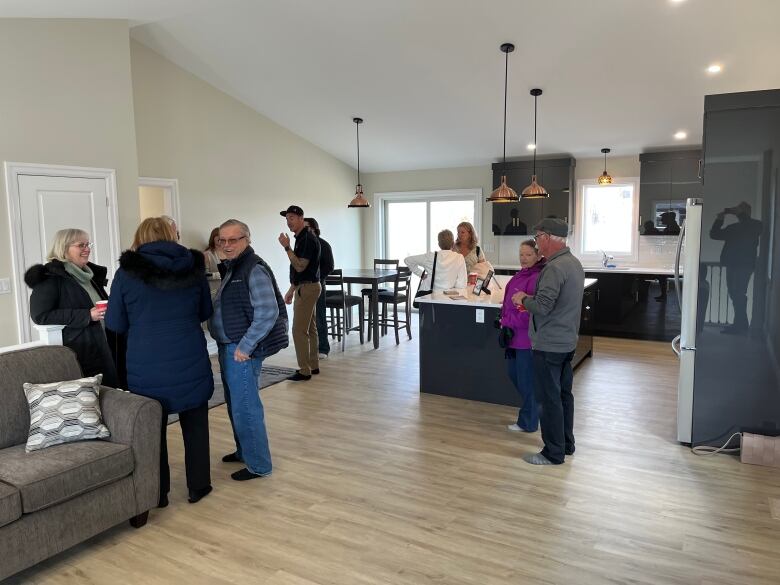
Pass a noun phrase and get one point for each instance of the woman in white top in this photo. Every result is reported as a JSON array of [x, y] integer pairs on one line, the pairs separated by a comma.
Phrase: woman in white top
[[467, 246], [450, 269]]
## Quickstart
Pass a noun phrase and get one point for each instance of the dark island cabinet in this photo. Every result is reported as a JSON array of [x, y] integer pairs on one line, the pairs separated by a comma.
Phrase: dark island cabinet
[[518, 219]]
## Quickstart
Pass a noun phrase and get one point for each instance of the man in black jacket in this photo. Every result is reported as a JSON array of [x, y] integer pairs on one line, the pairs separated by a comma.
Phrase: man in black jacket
[[327, 264]]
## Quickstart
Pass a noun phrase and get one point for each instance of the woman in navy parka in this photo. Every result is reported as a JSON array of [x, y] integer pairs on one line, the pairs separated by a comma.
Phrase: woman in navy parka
[[159, 298]]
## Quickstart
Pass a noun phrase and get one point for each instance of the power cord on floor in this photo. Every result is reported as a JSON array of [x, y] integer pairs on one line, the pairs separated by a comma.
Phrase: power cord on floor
[[708, 450]]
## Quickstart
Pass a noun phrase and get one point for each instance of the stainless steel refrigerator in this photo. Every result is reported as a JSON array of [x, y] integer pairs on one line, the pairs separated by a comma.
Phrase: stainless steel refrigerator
[[728, 266]]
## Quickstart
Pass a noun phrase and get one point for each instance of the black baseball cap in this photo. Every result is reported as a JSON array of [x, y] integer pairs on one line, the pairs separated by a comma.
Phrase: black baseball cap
[[292, 209], [553, 226]]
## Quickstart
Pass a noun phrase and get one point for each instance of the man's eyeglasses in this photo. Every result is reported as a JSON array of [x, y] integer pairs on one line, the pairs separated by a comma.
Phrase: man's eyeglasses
[[84, 245], [229, 241], [539, 235]]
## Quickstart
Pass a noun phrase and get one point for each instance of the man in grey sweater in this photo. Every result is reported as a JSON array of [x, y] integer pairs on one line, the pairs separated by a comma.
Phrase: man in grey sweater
[[555, 319]]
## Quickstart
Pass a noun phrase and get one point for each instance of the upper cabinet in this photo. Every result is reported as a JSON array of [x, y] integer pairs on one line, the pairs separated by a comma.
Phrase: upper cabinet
[[518, 219], [667, 179]]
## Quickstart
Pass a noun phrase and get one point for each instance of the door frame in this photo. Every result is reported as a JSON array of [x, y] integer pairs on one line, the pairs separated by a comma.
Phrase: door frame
[[173, 186], [381, 198], [12, 172]]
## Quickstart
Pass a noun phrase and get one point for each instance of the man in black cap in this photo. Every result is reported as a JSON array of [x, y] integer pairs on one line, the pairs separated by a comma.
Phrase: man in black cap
[[555, 310], [305, 289]]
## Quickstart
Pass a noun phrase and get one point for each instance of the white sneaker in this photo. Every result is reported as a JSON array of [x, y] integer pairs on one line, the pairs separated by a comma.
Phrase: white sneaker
[[323, 356], [514, 428]]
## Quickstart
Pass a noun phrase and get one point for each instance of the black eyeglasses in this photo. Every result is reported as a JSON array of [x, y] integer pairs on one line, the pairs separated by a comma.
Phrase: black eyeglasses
[[229, 241]]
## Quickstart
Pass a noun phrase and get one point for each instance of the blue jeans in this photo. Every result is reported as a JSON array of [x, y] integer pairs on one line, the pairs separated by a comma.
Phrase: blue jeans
[[553, 379], [322, 325], [241, 381], [520, 367]]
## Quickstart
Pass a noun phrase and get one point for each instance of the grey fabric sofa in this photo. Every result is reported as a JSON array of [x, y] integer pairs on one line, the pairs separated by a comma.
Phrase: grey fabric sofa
[[57, 497]]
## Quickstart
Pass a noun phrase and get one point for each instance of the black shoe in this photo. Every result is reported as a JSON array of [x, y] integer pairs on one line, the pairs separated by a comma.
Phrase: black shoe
[[245, 474], [569, 451], [298, 377], [163, 501], [198, 495], [315, 371], [231, 458]]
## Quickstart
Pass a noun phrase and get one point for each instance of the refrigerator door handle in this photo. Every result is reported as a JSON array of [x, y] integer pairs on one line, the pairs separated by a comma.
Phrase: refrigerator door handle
[[676, 345], [677, 266]]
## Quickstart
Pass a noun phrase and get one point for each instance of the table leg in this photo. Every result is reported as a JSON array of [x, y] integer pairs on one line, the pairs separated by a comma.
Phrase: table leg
[[375, 312]]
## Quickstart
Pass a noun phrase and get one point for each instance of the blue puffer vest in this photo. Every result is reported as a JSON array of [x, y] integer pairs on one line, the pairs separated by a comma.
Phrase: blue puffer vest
[[237, 312]]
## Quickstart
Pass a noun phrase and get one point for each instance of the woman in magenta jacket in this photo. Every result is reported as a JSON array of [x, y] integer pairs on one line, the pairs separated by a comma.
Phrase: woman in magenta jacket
[[518, 353]]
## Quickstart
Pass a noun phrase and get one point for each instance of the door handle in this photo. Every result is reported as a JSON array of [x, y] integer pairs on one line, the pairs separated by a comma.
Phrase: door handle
[[699, 170], [676, 345]]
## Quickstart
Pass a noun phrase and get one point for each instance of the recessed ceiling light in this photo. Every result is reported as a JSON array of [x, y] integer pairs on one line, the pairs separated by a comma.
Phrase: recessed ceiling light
[[676, 1], [680, 135], [531, 146], [714, 68]]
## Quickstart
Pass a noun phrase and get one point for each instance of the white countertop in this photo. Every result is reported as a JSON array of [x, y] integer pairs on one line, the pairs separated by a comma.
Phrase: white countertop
[[601, 269], [471, 300]]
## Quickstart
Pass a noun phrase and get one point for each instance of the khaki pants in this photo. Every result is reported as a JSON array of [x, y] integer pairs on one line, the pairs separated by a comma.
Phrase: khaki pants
[[304, 329]]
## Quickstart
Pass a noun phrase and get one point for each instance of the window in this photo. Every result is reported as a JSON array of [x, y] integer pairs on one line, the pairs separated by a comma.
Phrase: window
[[608, 216]]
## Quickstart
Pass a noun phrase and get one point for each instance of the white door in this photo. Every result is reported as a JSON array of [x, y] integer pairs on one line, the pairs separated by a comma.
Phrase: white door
[[48, 204]]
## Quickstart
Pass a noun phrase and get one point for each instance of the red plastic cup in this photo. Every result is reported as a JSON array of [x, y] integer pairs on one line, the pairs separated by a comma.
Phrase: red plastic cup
[[102, 305], [472, 280]]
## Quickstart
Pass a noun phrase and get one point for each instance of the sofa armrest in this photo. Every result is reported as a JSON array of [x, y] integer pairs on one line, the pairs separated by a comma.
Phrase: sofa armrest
[[136, 421]]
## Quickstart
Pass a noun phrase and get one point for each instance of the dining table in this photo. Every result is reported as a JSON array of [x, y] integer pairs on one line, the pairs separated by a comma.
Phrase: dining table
[[372, 277]]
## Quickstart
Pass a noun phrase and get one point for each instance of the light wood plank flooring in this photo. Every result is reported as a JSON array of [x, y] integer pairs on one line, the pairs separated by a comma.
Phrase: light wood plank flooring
[[375, 483]]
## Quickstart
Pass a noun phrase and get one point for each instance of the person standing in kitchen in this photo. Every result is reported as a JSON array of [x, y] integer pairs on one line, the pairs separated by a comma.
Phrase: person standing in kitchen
[[304, 291], [555, 310], [517, 352], [740, 250], [446, 267], [467, 245], [327, 264]]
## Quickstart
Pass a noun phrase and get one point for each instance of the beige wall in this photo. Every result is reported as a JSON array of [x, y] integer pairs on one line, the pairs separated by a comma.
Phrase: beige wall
[[66, 99], [232, 162], [151, 202]]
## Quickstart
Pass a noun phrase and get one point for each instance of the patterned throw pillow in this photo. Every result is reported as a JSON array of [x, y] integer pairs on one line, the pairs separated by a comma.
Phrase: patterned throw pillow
[[63, 412]]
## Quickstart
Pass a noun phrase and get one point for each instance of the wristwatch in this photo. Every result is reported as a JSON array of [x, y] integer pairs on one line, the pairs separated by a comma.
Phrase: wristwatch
[[287, 248]]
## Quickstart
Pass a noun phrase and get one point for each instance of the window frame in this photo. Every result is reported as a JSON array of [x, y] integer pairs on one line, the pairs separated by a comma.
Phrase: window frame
[[591, 258]]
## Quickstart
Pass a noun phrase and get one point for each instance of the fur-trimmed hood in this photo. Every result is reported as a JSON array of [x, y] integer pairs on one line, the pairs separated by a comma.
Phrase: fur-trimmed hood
[[36, 274], [164, 265]]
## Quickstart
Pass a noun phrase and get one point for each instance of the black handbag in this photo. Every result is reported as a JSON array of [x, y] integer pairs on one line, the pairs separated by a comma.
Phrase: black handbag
[[505, 336], [423, 293]]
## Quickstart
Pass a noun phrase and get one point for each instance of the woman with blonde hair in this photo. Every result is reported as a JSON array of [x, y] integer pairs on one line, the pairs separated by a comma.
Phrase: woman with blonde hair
[[160, 297], [65, 291], [467, 246], [214, 256]]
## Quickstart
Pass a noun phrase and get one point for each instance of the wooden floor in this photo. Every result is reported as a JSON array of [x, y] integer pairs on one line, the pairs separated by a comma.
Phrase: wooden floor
[[374, 483]]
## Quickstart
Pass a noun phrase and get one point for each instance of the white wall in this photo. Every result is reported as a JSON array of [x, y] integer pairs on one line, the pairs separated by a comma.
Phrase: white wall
[[66, 99], [231, 162]]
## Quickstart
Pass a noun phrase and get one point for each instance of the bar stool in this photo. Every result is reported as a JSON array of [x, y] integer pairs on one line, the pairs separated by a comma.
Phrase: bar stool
[[340, 304], [399, 294], [366, 292]]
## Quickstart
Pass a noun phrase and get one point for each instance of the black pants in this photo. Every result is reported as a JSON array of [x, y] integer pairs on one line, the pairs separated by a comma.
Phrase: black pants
[[553, 379], [195, 431], [737, 280]]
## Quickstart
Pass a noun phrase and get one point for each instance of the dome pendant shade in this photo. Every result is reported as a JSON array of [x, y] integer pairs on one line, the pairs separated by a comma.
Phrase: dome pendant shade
[[535, 190], [359, 200], [503, 194], [604, 179]]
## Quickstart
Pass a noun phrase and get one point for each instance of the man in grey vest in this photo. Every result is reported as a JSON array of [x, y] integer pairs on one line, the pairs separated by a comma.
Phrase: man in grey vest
[[249, 324], [555, 320]]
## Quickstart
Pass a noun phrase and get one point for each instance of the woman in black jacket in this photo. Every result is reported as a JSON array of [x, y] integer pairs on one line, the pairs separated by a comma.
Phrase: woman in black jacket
[[65, 291]]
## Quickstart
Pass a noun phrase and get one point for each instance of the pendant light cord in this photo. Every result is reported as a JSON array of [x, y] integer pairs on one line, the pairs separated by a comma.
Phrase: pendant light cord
[[536, 146], [357, 132], [506, 84], [605, 162]]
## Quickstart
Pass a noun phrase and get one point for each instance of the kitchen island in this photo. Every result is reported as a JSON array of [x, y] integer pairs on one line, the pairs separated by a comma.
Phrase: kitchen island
[[459, 351]]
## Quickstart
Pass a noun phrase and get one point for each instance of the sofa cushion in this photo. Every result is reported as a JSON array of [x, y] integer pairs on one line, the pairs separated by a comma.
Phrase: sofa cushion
[[64, 412], [10, 504], [50, 476], [37, 364]]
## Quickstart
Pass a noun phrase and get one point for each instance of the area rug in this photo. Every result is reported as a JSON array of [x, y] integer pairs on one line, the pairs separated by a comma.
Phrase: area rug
[[270, 375]]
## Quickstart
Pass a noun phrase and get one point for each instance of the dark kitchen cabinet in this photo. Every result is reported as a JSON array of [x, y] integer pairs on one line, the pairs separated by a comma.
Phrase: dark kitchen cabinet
[[517, 219], [666, 180]]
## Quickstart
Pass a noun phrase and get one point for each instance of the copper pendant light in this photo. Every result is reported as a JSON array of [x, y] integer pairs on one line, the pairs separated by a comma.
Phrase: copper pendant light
[[359, 200], [535, 190], [504, 193], [605, 179]]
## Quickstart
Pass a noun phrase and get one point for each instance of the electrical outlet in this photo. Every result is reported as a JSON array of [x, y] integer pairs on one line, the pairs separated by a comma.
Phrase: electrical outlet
[[5, 286], [480, 315]]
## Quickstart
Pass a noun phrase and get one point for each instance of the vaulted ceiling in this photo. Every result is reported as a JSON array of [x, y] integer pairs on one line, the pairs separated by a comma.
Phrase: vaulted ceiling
[[427, 75]]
